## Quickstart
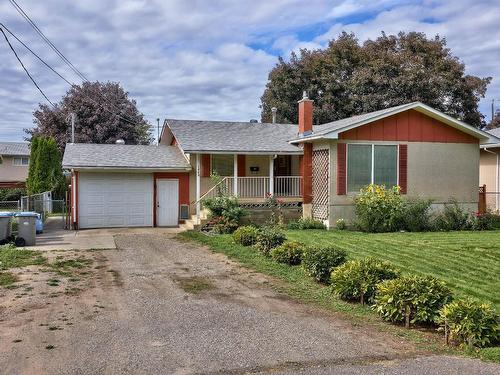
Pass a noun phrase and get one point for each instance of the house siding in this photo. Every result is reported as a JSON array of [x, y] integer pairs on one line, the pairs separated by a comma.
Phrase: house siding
[[488, 177], [10, 172], [437, 171]]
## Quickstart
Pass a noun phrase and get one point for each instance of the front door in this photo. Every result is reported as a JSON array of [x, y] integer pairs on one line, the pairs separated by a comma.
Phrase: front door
[[282, 165], [167, 202]]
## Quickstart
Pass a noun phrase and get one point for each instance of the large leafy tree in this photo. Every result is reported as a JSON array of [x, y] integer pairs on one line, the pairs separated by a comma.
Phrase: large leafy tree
[[348, 78], [45, 170], [104, 113]]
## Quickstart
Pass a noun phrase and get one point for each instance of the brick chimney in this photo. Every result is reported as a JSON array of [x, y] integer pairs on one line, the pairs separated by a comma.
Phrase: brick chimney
[[305, 115], [305, 128]]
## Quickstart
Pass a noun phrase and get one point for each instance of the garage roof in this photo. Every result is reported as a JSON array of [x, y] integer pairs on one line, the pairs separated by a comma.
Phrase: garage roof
[[116, 156]]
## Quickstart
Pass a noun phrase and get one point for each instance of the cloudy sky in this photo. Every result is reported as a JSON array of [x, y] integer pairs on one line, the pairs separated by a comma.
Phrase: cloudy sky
[[210, 59]]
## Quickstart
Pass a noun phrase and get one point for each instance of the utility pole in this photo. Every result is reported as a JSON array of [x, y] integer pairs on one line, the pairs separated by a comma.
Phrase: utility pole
[[158, 134], [492, 109], [72, 118]]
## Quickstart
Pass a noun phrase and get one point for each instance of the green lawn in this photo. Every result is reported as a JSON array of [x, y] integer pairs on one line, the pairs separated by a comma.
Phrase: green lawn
[[468, 261]]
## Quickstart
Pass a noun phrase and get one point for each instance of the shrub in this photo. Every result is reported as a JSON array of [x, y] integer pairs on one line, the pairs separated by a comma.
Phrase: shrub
[[484, 221], [290, 252], [225, 212], [221, 225], [470, 322], [453, 217], [341, 224], [319, 262], [269, 238], [246, 235], [412, 299], [378, 209], [306, 223], [357, 279], [415, 216]]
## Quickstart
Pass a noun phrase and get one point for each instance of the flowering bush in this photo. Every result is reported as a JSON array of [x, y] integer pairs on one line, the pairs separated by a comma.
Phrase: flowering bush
[[378, 209], [277, 217], [225, 213]]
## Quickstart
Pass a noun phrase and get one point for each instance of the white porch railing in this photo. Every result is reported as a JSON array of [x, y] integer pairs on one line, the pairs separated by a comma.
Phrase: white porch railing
[[258, 187]]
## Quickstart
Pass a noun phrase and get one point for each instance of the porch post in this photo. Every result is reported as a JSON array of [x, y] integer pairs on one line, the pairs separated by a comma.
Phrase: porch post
[[271, 174], [235, 175], [198, 188]]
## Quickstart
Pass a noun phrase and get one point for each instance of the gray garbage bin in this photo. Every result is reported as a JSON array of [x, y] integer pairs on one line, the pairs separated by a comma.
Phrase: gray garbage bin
[[5, 227], [26, 229]]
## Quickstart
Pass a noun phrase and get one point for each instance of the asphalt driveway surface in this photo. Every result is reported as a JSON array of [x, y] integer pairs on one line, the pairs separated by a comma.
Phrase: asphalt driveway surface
[[159, 306]]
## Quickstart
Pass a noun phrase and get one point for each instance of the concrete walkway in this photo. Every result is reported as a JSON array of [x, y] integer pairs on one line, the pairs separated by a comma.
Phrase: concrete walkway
[[55, 237]]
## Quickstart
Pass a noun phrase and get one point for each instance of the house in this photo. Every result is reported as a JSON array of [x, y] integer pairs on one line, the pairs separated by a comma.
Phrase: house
[[320, 168], [489, 171], [14, 162]]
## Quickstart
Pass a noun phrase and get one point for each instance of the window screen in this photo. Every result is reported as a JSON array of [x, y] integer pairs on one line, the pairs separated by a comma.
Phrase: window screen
[[223, 165], [359, 167], [19, 161], [385, 165]]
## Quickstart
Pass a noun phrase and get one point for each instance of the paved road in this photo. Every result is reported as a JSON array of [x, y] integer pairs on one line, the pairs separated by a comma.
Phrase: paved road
[[164, 307]]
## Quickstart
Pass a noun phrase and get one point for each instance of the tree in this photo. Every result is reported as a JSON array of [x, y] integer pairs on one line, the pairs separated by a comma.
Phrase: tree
[[348, 78], [104, 113], [495, 123], [45, 170]]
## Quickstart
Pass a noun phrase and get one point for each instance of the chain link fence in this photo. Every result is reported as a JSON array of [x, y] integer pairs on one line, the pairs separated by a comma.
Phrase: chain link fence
[[42, 204]]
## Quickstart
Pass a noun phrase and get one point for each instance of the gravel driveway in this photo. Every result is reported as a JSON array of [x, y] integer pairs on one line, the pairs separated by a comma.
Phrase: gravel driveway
[[160, 306]]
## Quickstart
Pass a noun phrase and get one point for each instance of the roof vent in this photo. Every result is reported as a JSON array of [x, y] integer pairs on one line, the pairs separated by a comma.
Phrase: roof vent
[[120, 141], [254, 121]]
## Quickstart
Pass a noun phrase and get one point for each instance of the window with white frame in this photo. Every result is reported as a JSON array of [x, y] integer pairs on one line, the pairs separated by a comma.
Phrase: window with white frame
[[21, 161], [223, 165], [371, 164]]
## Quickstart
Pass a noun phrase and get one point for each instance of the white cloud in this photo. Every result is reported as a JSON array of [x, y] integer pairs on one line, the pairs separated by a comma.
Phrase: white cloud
[[210, 59]]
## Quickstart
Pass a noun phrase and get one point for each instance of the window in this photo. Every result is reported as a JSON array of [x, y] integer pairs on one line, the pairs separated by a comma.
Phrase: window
[[223, 165], [367, 164], [21, 161]]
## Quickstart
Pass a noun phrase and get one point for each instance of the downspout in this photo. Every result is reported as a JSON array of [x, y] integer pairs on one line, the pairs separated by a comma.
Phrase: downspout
[[496, 178]]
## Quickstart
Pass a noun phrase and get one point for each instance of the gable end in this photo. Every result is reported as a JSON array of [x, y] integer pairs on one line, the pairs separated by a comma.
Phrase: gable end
[[408, 126]]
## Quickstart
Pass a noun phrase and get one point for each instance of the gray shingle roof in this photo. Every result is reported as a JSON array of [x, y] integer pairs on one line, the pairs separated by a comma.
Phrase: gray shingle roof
[[494, 132], [15, 148], [85, 155], [224, 136]]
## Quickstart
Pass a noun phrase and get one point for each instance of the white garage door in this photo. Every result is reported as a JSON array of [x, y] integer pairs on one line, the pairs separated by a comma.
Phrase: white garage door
[[115, 200]]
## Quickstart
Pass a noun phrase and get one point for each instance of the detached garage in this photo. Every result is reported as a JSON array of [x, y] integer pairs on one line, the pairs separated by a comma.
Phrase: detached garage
[[126, 185]]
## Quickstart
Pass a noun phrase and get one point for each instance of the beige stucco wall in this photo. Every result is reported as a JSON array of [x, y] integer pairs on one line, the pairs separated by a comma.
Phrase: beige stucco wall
[[488, 176], [437, 171], [11, 172]]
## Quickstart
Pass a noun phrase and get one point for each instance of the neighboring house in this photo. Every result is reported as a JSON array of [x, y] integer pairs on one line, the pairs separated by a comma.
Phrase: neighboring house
[[489, 172], [322, 168], [14, 162]]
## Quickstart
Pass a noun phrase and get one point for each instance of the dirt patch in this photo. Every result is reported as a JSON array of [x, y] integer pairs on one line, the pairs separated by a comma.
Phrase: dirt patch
[[194, 285]]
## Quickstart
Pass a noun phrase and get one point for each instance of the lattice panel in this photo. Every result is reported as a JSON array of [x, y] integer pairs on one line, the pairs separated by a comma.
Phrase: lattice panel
[[320, 184]]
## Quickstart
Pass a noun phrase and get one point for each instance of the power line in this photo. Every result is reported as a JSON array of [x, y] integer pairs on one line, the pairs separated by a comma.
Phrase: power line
[[47, 40], [26, 70], [102, 105], [34, 54], [65, 59]]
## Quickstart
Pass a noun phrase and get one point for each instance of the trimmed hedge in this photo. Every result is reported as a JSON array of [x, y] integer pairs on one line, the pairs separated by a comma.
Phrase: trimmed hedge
[[358, 279], [318, 262], [246, 235], [289, 253], [470, 322], [269, 238], [411, 299]]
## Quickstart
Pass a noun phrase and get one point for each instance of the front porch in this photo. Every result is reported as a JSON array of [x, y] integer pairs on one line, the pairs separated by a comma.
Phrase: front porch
[[250, 177]]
